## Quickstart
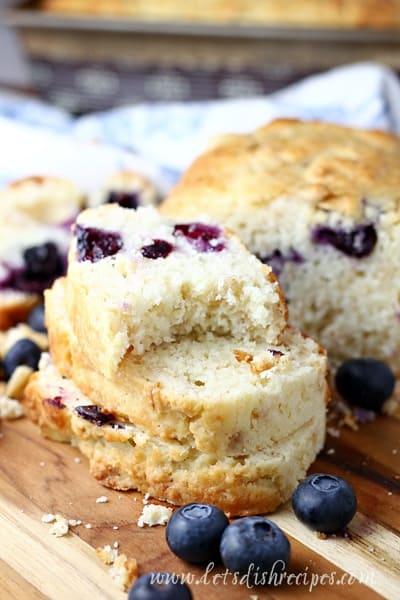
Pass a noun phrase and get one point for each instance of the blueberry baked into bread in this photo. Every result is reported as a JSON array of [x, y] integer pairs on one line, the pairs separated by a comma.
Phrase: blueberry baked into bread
[[320, 204], [218, 413]]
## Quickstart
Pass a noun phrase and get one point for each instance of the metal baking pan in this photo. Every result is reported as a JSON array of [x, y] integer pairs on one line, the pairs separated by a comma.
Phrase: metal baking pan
[[28, 18]]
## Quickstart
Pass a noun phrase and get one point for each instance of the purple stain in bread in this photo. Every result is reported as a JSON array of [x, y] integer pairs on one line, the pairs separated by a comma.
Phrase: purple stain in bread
[[357, 242], [204, 238], [94, 414], [125, 199], [56, 401], [95, 244], [278, 259], [158, 249]]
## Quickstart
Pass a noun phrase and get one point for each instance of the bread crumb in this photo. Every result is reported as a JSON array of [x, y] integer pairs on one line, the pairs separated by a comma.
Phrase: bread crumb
[[321, 536], [333, 432], [74, 522], [88, 526], [350, 422], [106, 554], [101, 500], [10, 408], [154, 514], [77, 459], [116, 527], [124, 571], [60, 527], [48, 518]]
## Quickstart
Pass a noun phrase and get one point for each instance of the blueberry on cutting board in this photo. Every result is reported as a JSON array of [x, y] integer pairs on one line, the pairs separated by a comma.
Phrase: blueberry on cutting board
[[194, 532], [159, 586], [325, 503], [36, 319], [23, 352], [253, 546], [365, 382]]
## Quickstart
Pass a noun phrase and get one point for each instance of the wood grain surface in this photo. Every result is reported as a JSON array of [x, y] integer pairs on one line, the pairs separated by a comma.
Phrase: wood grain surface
[[38, 476]]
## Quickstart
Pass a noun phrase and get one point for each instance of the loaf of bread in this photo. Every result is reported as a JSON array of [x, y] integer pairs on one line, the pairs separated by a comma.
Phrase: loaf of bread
[[297, 13], [320, 204]]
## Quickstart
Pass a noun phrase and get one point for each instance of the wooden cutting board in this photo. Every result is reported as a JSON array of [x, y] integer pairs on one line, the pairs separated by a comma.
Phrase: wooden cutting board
[[38, 476]]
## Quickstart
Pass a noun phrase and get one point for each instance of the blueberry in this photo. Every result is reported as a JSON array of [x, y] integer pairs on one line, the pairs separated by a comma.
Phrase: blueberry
[[42, 262], [94, 414], [23, 352], [254, 546], [324, 502], [36, 319], [42, 265], [365, 382], [194, 532], [94, 244], [357, 242], [277, 260], [124, 199], [162, 586], [204, 238], [158, 249]]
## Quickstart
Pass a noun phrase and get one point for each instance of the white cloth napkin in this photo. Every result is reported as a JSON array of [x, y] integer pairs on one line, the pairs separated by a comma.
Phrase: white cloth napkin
[[162, 139]]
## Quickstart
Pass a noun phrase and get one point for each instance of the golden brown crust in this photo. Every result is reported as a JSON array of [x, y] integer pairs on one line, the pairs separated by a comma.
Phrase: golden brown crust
[[326, 166], [329, 13]]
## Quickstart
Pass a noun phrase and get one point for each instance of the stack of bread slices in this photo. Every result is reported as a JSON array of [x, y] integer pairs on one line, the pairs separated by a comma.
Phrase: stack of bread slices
[[172, 366]]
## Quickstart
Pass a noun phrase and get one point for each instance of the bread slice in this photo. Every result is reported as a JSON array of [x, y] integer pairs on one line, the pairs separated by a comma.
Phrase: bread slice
[[137, 280], [125, 455]]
